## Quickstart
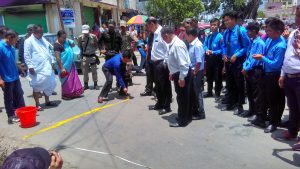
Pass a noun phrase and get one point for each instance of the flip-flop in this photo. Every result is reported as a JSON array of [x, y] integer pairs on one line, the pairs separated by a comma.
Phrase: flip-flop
[[39, 108], [66, 98], [51, 104]]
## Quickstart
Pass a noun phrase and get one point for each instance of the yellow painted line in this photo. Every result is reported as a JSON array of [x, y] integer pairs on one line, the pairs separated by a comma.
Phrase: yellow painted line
[[63, 122]]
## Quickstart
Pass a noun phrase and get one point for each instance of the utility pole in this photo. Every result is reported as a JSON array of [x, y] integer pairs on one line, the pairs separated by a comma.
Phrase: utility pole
[[118, 11], [59, 14]]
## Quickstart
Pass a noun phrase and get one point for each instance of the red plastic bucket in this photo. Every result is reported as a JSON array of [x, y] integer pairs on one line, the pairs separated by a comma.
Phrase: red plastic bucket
[[27, 116]]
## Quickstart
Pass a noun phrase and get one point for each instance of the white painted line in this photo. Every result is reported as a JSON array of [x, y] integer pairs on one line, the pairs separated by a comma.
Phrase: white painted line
[[105, 153]]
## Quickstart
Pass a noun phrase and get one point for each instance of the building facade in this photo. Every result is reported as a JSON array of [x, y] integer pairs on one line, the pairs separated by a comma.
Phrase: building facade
[[17, 14], [284, 9]]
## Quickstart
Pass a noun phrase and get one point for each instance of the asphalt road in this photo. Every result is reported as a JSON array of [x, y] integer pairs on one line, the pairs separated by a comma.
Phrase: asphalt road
[[127, 129]]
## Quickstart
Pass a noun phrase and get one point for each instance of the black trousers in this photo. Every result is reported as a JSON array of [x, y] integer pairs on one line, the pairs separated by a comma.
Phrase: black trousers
[[275, 97], [13, 97], [149, 76], [134, 59], [292, 92], [255, 90], [235, 82], [214, 66], [108, 84], [184, 98], [162, 84]]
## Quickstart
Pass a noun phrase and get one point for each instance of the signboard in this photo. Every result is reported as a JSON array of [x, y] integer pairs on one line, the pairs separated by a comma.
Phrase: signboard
[[67, 16]]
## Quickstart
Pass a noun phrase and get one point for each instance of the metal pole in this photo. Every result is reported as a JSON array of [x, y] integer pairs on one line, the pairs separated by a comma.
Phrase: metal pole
[[60, 19], [118, 14]]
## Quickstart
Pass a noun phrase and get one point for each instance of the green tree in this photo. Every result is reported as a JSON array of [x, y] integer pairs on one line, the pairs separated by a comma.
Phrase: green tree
[[261, 14], [246, 7], [211, 6], [175, 10]]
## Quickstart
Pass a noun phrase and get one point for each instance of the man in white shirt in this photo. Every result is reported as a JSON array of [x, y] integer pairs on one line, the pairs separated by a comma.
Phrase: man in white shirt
[[290, 81], [161, 72], [39, 60], [180, 72]]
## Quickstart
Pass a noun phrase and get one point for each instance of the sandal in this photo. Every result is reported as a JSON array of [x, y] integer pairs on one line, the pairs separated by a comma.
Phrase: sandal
[[39, 108], [100, 100], [51, 104], [66, 98]]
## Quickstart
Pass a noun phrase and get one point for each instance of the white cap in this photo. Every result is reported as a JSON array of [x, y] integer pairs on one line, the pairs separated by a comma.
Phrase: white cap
[[123, 23], [85, 29]]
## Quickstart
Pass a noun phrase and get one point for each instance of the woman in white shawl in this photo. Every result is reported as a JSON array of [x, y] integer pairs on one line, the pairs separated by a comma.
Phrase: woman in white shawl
[[39, 60]]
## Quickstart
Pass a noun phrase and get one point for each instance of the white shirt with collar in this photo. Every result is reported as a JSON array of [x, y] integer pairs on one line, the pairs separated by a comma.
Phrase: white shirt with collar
[[291, 63], [159, 47], [178, 58]]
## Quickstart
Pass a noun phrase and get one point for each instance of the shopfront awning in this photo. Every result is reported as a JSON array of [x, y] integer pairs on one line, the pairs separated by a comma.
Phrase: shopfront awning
[[96, 3]]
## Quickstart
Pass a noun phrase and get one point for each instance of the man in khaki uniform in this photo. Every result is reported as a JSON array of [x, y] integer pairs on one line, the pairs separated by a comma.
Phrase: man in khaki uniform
[[127, 40], [88, 43]]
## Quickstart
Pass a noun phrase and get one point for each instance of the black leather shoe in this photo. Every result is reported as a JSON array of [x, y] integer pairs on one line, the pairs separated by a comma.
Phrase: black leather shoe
[[284, 124], [164, 111], [258, 122], [228, 108], [146, 94], [199, 117], [270, 129], [217, 98], [206, 95], [225, 101], [251, 118], [246, 114], [155, 107], [96, 87], [86, 86], [238, 111], [174, 124]]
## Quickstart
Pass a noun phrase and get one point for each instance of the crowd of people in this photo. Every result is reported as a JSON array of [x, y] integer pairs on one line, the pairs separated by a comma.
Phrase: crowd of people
[[263, 67]]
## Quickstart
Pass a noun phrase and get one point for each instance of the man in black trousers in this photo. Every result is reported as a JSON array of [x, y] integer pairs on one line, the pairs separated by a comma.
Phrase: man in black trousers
[[149, 69], [159, 59], [180, 72], [290, 81], [213, 57], [253, 72], [236, 42], [273, 59]]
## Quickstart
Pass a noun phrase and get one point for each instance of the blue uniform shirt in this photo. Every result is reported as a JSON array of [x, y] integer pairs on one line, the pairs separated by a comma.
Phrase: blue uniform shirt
[[114, 65], [235, 47], [256, 47], [213, 42], [274, 54], [8, 67]]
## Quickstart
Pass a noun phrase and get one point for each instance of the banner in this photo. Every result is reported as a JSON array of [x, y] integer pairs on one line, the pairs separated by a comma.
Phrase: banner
[[67, 16]]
